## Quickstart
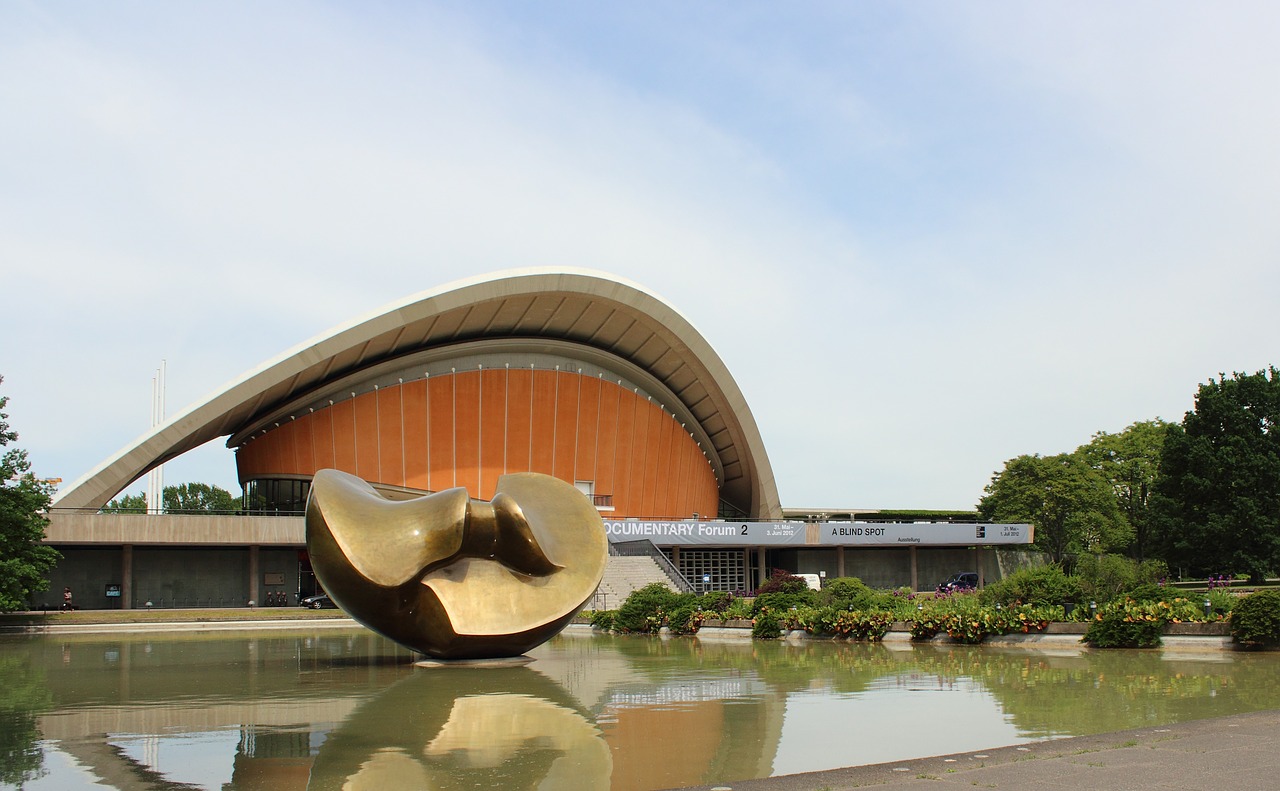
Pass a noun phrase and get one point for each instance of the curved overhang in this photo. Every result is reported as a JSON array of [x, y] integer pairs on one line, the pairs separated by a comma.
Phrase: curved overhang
[[615, 322]]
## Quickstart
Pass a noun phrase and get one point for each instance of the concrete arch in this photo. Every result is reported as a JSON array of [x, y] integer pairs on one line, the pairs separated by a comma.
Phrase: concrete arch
[[596, 315]]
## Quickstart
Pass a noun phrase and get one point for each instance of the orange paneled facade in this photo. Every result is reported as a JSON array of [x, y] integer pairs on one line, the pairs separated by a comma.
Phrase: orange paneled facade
[[467, 428]]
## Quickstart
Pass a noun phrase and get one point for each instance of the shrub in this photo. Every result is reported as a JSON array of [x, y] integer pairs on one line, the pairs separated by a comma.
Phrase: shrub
[[1149, 591], [604, 620], [1027, 618], [715, 600], [684, 617], [1114, 628], [1222, 601], [843, 623], [1039, 585], [858, 625], [783, 581], [1105, 578], [1255, 619], [739, 609], [926, 625], [1152, 571], [766, 626], [934, 615], [1135, 624], [846, 592], [971, 627], [645, 609], [781, 602], [902, 602]]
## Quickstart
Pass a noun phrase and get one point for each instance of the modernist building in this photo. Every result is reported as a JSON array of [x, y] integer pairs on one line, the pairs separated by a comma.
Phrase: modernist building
[[573, 374]]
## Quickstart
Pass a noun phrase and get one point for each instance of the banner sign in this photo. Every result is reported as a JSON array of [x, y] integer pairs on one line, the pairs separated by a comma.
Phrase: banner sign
[[933, 534], [686, 533], [866, 534]]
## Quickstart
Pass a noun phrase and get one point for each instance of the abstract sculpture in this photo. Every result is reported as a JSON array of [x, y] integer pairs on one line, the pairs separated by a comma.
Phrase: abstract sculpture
[[455, 578]]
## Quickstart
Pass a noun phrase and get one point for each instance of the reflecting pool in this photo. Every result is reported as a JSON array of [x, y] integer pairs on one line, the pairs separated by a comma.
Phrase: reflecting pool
[[335, 709]]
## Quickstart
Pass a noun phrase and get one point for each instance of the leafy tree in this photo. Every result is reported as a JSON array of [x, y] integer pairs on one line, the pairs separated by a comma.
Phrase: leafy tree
[[1104, 577], [1130, 460], [1071, 505], [24, 499], [180, 499], [129, 504], [200, 497], [1217, 498]]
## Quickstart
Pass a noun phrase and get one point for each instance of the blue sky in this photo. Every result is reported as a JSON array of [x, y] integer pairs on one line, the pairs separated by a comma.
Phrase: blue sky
[[958, 232]]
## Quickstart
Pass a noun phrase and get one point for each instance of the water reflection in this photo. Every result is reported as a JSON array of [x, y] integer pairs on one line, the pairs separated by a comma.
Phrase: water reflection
[[23, 695], [448, 728], [290, 711]]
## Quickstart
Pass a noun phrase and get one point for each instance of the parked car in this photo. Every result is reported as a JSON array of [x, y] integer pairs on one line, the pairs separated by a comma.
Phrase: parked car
[[964, 580], [318, 602]]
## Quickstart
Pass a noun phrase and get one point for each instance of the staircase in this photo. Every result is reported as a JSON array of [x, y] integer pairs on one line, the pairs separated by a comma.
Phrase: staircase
[[624, 574]]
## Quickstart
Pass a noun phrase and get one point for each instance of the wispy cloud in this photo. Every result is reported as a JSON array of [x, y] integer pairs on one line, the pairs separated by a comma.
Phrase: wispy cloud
[[924, 237]]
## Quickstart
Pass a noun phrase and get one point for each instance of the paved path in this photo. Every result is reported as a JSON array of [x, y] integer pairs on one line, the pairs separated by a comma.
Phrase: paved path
[[1240, 753]]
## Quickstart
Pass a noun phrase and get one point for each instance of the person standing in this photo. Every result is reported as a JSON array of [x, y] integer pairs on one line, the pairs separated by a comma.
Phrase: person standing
[[66, 599]]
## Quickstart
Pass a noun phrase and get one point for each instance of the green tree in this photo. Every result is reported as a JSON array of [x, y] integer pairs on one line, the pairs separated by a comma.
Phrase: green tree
[[24, 499], [1217, 498], [1130, 460], [184, 498], [129, 504], [197, 497], [1071, 505]]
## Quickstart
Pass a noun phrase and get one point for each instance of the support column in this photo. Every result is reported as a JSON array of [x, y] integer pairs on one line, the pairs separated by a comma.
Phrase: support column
[[840, 562], [126, 577], [977, 562], [253, 575], [915, 570]]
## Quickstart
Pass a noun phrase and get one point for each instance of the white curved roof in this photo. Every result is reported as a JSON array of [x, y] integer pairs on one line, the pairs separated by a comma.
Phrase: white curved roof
[[602, 313]]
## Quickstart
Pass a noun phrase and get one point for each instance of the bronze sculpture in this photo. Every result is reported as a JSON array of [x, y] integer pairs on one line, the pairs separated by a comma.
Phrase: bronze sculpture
[[455, 578]]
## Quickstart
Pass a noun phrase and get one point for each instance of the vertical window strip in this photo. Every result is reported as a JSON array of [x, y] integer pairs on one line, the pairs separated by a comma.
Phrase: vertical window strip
[[506, 415], [531, 389], [617, 416], [404, 440], [355, 437], [377, 430], [426, 408], [453, 401], [577, 426], [555, 419], [595, 473]]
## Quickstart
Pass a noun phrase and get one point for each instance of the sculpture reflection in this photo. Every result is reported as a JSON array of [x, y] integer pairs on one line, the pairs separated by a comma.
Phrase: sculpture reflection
[[455, 578], [461, 728]]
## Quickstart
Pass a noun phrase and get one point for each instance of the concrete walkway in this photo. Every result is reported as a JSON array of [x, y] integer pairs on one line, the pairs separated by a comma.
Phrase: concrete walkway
[[1240, 752]]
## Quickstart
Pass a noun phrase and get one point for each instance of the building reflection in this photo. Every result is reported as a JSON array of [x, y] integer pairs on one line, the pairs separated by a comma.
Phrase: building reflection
[[351, 711], [465, 727]]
